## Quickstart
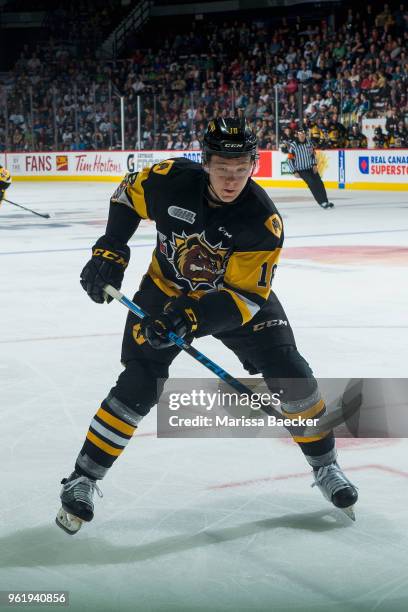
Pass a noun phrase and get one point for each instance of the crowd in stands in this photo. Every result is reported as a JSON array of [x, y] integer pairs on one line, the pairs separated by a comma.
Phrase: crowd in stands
[[338, 71], [329, 133], [79, 22], [86, 23]]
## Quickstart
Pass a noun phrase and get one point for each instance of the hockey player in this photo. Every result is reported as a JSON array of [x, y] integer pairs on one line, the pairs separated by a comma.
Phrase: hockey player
[[380, 139], [339, 132], [356, 138], [315, 134], [5, 182], [325, 142], [398, 137], [219, 237]]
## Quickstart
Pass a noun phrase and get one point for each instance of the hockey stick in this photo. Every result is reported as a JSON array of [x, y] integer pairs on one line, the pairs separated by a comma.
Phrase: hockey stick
[[185, 346], [44, 216], [336, 417]]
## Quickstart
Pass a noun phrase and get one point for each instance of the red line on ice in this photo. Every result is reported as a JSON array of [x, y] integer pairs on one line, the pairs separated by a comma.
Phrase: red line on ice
[[243, 483]]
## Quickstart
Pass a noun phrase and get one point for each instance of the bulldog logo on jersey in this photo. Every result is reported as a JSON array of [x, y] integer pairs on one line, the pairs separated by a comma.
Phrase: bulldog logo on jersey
[[197, 261]]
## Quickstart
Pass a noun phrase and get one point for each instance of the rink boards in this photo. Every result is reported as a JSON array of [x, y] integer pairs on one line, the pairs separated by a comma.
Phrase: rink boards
[[384, 169]]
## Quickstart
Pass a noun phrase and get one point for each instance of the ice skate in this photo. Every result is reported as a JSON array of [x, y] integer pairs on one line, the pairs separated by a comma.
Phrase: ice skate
[[77, 502], [335, 487], [327, 205]]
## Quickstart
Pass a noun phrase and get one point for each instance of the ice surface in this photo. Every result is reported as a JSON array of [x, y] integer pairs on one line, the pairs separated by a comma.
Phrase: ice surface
[[199, 524]]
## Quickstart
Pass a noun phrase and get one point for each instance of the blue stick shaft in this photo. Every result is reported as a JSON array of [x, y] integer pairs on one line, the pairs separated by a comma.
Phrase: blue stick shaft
[[182, 344], [325, 423]]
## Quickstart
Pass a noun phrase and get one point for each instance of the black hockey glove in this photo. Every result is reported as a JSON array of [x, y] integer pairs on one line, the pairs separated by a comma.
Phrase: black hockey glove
[[180, 316], [109, 261]]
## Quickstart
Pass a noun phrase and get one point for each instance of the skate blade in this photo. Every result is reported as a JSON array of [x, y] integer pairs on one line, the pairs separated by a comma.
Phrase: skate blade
[[349, 512], [68, 522]]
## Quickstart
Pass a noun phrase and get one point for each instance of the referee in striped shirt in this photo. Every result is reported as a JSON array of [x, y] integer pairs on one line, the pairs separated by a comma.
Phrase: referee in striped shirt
[[303, 164]]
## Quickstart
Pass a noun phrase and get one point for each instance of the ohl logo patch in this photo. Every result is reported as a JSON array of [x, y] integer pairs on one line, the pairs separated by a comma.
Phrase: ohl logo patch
[[197, 261], [364, 165]]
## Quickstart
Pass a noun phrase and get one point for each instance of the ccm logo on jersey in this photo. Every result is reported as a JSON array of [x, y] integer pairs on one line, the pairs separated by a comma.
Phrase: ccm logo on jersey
[[182, 213], [272, 323], [224, 231]]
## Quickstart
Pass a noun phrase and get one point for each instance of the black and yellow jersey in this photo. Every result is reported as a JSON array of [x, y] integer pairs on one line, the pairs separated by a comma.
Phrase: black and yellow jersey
[[334, 136], [225, 255], [5, 181], [315, 134], [356, 140], [398, 139]]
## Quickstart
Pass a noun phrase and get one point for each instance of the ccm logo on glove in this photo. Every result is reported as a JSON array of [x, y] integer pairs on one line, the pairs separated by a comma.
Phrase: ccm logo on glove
[[107, 266], [110, 255]]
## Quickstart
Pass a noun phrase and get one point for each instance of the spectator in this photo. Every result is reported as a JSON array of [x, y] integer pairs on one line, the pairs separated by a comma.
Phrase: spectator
[[179, 145], [356, 71], [194, 144]]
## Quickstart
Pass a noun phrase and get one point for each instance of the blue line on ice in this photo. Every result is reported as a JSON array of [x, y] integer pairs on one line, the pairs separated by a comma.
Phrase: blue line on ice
[[153, 244]]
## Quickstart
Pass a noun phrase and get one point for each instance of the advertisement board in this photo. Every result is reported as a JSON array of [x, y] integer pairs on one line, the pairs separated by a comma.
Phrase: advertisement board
[[327, 163], [101, 165], [350, 169], [383, 168], [62, 164], [137, 160]]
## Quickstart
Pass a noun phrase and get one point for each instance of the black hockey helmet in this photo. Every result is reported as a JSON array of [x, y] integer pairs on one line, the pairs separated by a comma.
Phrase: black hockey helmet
[[229, 137]]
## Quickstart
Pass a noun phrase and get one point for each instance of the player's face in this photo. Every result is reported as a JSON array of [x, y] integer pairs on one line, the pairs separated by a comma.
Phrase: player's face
[[228, 177]]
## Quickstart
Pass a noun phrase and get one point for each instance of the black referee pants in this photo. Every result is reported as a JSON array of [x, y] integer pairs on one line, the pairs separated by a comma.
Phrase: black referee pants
[[315, 184]]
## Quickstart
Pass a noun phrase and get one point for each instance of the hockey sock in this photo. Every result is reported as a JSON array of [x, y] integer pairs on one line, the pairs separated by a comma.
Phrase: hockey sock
[[319, 449], [106, 439], [320, 452]]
